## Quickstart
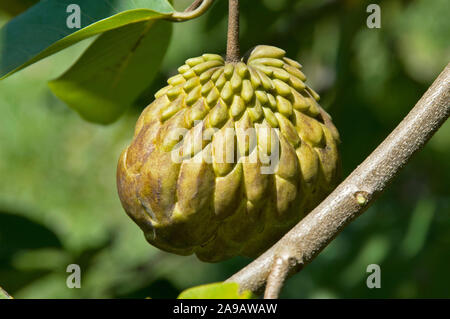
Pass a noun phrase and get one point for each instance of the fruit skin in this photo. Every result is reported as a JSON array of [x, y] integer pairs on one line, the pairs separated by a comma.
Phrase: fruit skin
[[219, 210]]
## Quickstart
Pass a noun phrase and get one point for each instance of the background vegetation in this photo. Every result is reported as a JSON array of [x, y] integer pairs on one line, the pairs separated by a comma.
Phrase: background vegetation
[[58, 202]]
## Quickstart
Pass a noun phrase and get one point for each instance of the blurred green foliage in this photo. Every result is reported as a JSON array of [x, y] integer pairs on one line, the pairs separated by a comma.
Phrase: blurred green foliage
[[58, 202], [15, 7]]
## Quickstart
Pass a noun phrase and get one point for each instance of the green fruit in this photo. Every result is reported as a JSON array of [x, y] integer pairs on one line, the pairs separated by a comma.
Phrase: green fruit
[[218, 208]]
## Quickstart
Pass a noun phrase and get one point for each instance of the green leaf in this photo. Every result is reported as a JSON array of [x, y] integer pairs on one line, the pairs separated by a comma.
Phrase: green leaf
[[42, 30], [114, 70], [229, 290], [4, 294]]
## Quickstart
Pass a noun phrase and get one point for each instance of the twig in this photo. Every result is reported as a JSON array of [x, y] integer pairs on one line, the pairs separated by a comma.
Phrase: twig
[[196, 9], [277, 276], [353, 196], [193, 6], [233, 49]]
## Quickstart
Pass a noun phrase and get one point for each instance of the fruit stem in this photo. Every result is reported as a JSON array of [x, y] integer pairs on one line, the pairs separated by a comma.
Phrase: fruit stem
[[233, 50]]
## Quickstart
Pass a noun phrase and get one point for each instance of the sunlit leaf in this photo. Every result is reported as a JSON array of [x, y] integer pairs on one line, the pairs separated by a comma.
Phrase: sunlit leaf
[[4, 294], [216, 291]]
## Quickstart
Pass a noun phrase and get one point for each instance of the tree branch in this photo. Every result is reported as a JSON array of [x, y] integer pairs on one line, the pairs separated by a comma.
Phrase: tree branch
[[353, 196]]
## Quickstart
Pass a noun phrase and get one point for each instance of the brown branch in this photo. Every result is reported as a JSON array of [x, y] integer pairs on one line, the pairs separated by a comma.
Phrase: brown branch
[[277, 276], [352, 197], [233, 49]]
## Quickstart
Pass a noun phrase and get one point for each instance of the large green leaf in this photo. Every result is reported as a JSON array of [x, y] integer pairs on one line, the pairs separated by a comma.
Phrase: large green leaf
[[42, 30], [114, 70], [229, 290]]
